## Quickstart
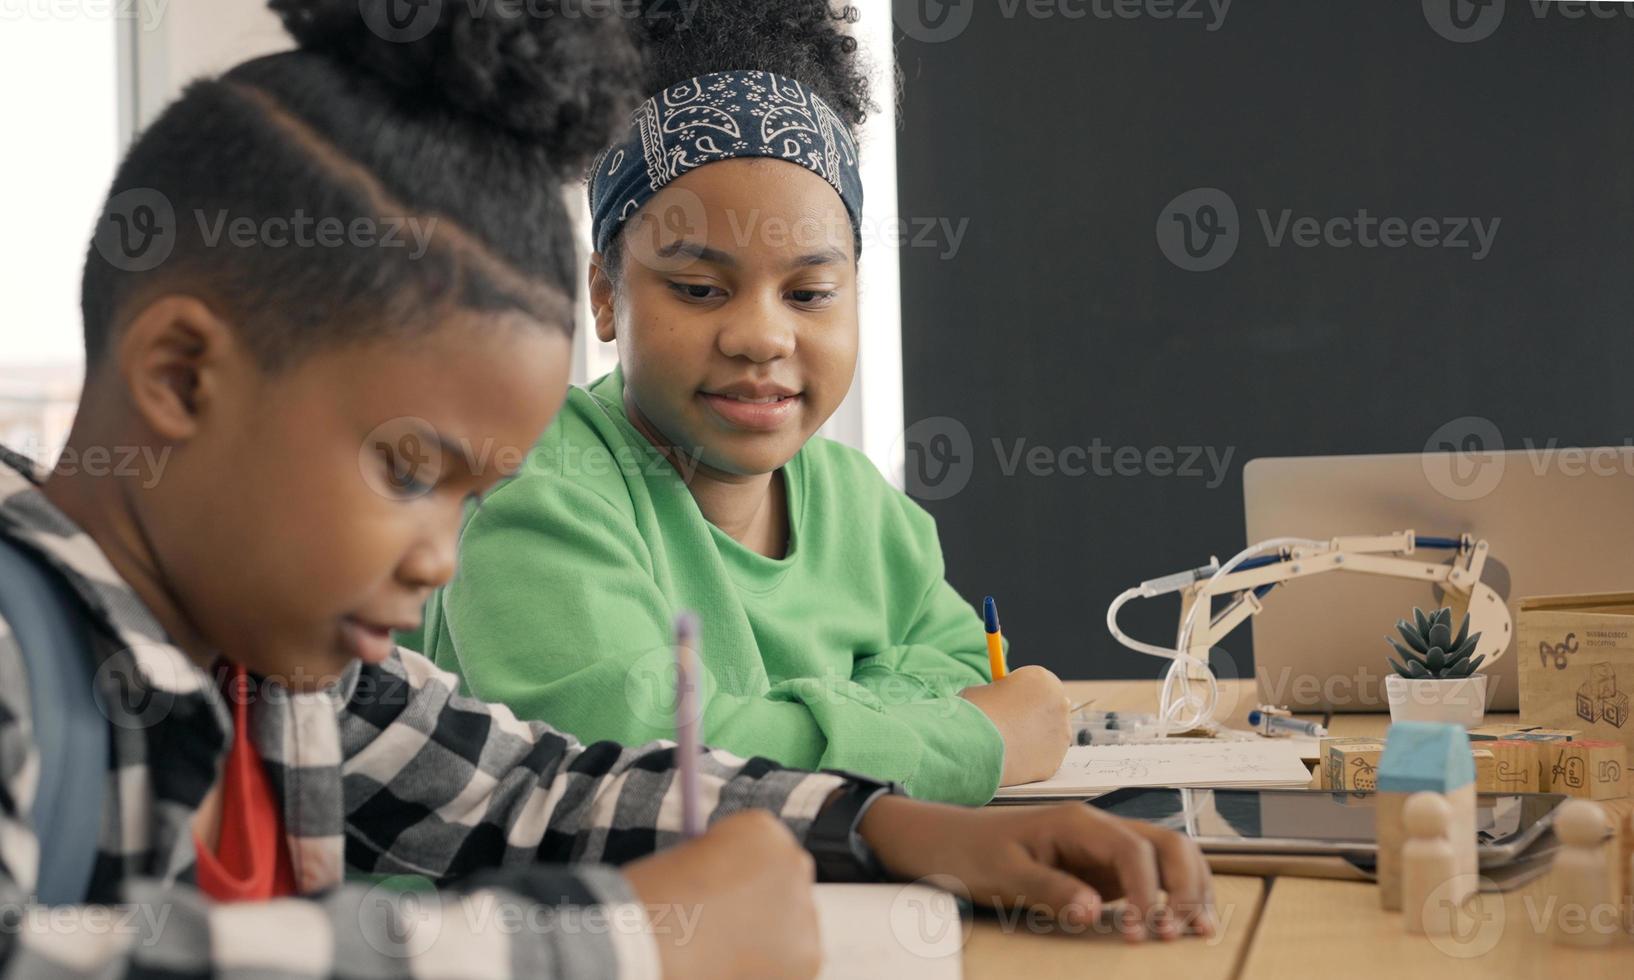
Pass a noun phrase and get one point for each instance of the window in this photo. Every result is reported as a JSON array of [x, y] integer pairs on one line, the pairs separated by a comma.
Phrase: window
[[64, 137]]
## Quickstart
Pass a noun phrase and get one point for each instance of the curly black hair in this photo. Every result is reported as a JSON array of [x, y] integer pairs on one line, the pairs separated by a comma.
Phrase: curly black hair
[[800, 39], [465, 117]]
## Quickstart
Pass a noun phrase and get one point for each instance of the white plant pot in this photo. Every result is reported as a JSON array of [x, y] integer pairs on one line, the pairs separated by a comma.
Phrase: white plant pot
[[1461, 701]]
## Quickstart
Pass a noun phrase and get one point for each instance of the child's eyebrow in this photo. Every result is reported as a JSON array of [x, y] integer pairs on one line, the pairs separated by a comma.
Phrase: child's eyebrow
[[828, 256], [457, 450], [454, 449], [697, 251], [703, 253]]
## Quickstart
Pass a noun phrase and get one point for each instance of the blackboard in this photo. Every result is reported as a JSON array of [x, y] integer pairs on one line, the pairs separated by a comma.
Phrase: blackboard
[[1074, 152]]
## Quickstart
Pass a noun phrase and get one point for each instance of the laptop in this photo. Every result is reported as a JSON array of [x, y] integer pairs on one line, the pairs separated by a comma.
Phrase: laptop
[[1559, 521]]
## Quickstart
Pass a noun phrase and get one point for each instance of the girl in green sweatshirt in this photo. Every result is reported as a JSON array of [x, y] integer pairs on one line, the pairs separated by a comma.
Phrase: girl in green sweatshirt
[[726, 234]]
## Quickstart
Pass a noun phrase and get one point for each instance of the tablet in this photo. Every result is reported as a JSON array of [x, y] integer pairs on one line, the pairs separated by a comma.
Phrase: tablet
[[1269, 821]]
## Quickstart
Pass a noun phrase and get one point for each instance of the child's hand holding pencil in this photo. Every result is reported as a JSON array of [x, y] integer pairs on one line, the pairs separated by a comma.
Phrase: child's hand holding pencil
[[1029, 707]]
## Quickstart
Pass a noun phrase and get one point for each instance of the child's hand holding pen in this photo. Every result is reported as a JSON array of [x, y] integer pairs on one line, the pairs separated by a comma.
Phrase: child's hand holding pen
[[739, 903], [1030, 709]]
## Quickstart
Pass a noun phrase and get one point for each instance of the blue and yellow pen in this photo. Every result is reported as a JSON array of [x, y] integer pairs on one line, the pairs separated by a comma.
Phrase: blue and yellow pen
[[995, 639]]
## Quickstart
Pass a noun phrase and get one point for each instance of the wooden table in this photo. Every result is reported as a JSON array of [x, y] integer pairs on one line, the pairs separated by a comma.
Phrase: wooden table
[[1296, 927]]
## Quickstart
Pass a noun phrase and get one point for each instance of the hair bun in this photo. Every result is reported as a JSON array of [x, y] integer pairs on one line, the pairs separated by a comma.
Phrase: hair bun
[[565, 80]]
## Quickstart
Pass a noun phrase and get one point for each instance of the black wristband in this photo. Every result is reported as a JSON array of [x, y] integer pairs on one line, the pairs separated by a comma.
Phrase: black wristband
[[834, 843]]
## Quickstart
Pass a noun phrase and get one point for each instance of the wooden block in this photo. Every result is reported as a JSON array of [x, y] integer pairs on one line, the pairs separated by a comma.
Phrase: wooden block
[[1517, 765], [1497, 730], [1543, 745], [1590, 769], [1486, 771], [1389, 831], [1351, 764], [1563, 734], [1570, 653]]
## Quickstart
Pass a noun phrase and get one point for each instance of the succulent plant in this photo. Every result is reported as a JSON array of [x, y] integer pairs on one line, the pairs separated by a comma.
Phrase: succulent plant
[[1432, 651]]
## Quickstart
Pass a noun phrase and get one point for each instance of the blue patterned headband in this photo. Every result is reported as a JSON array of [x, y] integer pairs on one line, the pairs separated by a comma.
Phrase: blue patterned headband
[[721, 116]]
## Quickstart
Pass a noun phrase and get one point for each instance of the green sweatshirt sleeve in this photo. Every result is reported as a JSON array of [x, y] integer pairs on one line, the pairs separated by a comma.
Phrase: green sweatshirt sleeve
[[939, 653], [944, 652], [557, 612]]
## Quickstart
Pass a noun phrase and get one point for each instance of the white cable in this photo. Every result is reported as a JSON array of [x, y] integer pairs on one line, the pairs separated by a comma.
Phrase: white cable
[[1176, 695], [1124, 638], [1168, 706]]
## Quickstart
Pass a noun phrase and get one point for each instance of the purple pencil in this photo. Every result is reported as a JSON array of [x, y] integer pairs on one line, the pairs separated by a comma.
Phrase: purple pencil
[[686, 719]]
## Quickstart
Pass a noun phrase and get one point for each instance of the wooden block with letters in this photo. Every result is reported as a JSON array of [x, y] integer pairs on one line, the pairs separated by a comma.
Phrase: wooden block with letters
[[1517, 765], [1350, 764], [1486, 770], [1497, 730], [1543, 745], [1589, 769]]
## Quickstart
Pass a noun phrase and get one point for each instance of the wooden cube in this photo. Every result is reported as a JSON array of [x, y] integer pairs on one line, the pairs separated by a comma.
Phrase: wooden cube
[[1590, 769], [1599, 669], [1497, 730], [1486, 770], [1543, 746], [1563, 734], [1351, 764], [1324, 757], [1516, 767]]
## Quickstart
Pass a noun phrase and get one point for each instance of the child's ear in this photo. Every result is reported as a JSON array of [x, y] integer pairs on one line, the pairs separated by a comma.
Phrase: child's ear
[[173, 356], [603, 291]]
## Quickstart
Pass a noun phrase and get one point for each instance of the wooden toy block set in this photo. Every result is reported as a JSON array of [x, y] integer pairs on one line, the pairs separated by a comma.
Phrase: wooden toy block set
[[1508, 758], [1426, 780]]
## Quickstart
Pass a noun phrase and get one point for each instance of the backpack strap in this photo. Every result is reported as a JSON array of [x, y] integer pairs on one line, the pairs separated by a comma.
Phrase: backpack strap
[[70, 731]]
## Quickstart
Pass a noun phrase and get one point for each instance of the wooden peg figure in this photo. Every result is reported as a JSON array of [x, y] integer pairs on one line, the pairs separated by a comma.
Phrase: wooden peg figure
[[1428, 863], [1425, 757], [1586, 908]]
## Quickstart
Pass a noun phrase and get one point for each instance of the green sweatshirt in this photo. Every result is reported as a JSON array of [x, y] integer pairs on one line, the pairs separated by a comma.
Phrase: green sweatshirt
[[847, 653]]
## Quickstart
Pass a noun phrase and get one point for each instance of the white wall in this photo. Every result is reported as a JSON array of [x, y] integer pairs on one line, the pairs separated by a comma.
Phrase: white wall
[[870, 419], [194, 38], [58, 68], [153, 55]]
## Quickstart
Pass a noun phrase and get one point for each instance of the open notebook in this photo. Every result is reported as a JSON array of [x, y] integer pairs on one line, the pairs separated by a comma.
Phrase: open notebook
[[1092, 769], [892, 932]]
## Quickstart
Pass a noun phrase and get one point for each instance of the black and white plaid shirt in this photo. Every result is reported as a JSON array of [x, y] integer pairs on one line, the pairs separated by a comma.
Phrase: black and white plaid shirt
[[389, 772]]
